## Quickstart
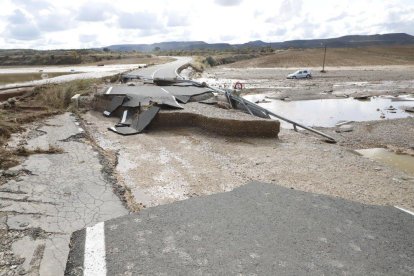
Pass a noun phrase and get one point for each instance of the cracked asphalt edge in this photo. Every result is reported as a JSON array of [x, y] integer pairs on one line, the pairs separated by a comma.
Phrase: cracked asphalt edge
[[109, 160]]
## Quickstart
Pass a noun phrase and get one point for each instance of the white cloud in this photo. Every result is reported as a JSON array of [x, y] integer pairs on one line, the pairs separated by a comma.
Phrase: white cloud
[[80, 23], [228, 3]]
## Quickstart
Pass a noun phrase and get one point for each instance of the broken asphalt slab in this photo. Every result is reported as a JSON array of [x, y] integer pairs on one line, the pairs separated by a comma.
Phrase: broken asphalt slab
[[57, 194], [255, 229]]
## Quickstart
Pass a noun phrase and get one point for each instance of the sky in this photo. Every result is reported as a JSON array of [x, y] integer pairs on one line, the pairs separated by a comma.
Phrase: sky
[[60, 24]]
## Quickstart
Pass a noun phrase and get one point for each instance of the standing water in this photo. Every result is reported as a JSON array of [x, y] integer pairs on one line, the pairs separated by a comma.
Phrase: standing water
[[328, 112], [401, 162]]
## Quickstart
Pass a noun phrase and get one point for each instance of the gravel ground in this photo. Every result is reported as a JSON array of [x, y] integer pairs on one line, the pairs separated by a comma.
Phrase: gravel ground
[[397, 135], [165, 166]]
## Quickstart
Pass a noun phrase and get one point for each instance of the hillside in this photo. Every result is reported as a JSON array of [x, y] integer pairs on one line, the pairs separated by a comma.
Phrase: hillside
[[339, 42], [391, 55], [65, 57]]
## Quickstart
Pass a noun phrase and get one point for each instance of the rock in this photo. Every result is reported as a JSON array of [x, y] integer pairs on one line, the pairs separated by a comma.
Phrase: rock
[[24, 224], [12, 101], [378, 169], [10, 173], [344, 128]]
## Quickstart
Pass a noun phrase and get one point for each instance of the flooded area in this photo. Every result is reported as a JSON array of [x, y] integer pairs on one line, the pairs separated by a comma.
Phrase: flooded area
[[328, 112], [25, 77], [401, 162], [11, 77]]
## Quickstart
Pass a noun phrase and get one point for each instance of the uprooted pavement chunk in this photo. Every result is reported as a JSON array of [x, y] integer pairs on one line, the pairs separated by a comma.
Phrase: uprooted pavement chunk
[[139, 123]]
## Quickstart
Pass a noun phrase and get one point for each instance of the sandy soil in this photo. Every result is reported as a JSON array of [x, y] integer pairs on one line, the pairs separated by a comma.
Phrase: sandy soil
[[360, 56], [164, 166]]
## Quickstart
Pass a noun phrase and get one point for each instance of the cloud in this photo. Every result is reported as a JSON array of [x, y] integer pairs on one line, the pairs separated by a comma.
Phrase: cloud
[[139, 20], [32, 4], [87, 38], [54, 21], [398, 20], [177, 20], [18, 17], [20, 27], [94, 12], [338, 17], [228, 3]]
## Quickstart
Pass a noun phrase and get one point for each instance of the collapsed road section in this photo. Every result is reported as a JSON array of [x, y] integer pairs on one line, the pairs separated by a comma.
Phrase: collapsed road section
[[174, 102]]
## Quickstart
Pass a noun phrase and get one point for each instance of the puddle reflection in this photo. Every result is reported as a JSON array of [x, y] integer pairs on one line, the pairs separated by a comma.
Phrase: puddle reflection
[[401, 162], [328, 112]]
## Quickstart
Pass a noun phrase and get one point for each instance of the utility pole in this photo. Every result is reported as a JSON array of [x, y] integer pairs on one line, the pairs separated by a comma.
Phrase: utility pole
[[323, 65]]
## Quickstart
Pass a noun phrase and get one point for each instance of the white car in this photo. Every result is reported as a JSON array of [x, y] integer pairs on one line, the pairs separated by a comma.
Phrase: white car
[[300, 74]]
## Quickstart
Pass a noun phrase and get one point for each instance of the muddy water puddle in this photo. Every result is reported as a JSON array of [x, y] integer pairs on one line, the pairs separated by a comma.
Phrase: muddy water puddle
[[24, 77], [400, 162], [328, 112]]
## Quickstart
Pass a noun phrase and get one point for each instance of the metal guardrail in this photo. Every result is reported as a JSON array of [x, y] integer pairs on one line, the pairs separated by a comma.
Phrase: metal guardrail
[[253, 108]]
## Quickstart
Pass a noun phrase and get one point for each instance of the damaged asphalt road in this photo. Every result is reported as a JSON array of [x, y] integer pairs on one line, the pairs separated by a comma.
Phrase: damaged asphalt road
[[256, 229], [52, 196]]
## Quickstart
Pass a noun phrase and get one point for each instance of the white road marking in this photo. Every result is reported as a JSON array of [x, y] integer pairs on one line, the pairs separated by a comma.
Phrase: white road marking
[[94, 260], [124, 116], [153, 74], [405, 210], [165, 90], [178, 75], [109, 90]]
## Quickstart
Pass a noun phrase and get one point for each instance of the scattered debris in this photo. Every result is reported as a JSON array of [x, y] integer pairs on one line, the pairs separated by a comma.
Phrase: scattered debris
[[408, 109], [138, 105]]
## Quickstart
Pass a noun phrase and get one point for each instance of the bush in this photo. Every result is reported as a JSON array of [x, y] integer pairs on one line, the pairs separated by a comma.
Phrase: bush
[[58, 96], [211, 61]]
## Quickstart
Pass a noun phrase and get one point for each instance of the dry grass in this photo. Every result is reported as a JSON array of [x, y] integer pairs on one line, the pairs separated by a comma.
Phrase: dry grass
[[58, 96], [43, 102], [9, 158], [396, 55], [22, 151]]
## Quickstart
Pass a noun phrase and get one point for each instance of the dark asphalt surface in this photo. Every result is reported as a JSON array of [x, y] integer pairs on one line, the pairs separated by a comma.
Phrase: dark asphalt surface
[[261, 229], [168, 70]]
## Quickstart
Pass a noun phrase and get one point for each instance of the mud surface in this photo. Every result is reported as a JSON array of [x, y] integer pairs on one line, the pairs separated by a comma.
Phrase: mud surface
[[338, 82]]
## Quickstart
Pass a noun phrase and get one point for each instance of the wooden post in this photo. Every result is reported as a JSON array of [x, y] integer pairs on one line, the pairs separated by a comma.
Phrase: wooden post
[[323, 65]]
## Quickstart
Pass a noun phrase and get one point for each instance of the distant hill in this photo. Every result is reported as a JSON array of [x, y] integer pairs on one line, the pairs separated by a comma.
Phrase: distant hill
[[339, 42]]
